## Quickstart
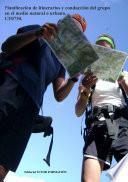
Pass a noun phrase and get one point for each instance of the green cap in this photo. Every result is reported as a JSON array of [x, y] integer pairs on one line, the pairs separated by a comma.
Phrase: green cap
[[107, 39]]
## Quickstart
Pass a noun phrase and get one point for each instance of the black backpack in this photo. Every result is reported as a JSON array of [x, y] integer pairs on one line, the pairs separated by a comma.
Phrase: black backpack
[[43, 124], [88, 111]]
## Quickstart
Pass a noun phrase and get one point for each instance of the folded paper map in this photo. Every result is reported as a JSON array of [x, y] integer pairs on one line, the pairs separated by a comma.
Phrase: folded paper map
[[109, 64], [76, 54], [71, 47]]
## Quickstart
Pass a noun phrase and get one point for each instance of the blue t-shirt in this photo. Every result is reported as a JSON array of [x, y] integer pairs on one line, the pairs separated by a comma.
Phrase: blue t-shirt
[[39, 68]]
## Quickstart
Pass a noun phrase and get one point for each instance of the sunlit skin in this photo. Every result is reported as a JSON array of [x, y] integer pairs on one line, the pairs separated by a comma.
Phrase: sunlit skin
[[104, 43]]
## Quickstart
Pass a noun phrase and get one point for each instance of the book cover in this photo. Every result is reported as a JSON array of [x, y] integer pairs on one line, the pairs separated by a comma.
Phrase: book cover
[[102, 16]]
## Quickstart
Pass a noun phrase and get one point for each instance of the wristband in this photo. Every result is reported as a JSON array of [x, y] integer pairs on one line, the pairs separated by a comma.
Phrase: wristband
[[74, 79]]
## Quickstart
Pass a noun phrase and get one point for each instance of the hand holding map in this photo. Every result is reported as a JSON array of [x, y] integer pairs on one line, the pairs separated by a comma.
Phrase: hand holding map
[[71, 47], [76, 54]]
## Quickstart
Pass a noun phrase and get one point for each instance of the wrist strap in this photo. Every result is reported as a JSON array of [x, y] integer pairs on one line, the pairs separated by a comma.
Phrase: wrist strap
[[74, 79]]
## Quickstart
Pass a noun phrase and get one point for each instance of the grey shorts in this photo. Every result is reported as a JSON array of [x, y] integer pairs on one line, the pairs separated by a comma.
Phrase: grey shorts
[[99, 146]]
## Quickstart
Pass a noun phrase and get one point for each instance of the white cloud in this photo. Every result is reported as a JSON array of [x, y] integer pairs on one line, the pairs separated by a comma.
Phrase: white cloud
[[11, 177]]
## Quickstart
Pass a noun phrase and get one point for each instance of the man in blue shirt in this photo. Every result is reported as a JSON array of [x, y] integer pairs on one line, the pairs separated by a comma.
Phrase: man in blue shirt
[[21, 95]]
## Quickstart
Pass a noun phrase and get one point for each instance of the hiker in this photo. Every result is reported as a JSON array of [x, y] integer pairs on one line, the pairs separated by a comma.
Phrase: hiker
[[106, 112], [21, 95]]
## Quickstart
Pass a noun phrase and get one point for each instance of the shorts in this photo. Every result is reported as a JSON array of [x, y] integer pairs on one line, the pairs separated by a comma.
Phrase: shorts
[[98, 145], [17, 111]]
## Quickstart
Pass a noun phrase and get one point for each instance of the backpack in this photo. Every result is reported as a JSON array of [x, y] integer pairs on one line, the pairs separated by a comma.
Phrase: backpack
[[89, 105], [112, 127], [43, 124], [124, 95]]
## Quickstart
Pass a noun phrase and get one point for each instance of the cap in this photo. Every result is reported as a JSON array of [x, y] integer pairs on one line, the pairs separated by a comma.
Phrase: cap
[[107, 38], [81, 20]]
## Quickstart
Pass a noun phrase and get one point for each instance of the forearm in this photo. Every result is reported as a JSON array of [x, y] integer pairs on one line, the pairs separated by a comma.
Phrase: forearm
[[18, 41], [125, 86], [64, 90], [81, 104]]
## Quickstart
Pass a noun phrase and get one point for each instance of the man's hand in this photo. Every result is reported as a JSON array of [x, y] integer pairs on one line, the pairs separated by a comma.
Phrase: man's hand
[[47, 31], [123, 81], [89, 80], [83, 89], [123, 78]]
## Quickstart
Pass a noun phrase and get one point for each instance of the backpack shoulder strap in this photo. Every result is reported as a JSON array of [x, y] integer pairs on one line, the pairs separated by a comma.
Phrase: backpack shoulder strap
[[124, 95], [125, 68], [89, 105]]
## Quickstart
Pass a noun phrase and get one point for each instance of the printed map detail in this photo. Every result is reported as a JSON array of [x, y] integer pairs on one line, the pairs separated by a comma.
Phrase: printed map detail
[[71, 47], [109, 64]]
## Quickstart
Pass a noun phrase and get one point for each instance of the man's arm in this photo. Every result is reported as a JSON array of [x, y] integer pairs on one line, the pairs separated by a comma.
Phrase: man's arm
[[82, 100], [123, 81], [62, 88], [16, 42], [84, 92]]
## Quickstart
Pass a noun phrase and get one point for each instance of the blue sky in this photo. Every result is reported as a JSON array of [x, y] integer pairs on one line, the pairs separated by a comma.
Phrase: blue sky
[[68, 142]]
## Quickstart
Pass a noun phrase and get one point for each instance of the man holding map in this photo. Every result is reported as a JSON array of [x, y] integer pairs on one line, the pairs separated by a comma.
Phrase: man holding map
[[21, 95], [106, 132]]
